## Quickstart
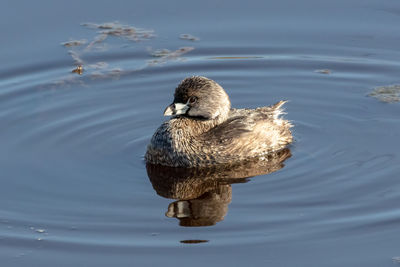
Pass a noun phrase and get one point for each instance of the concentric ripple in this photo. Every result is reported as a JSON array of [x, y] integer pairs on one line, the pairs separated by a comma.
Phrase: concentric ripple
[[75, 152]]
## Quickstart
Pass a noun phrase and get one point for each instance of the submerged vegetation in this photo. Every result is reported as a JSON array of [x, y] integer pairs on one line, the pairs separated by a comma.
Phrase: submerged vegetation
[[189, 37], [166, 55], [119, 30], [80, 48], [388, 93], [74, 43]]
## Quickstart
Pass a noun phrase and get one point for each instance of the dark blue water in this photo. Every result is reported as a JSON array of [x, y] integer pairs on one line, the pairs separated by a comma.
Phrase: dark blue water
[[74, 186]]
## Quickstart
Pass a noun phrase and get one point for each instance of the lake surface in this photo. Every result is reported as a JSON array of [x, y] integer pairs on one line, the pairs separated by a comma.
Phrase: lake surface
[[74, 186]]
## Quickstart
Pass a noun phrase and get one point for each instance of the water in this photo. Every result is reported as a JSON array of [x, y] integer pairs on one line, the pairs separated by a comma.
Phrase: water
[[74, 186]]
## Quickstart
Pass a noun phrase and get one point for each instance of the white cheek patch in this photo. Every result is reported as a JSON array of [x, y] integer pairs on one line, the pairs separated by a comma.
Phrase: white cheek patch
[[180, 108]]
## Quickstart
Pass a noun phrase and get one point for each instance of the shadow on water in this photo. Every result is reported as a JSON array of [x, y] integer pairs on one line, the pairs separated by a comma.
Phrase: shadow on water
[[203, 194]]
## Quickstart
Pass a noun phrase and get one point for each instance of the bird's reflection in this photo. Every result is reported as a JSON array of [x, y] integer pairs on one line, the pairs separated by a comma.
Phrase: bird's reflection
[[203, 194]]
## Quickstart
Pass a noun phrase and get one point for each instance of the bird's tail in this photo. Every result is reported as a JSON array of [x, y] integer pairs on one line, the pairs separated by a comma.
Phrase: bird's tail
[[277, 109]]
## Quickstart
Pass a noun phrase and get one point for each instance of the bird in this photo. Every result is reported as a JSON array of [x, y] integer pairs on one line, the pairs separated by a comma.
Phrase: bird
[[205, 131]]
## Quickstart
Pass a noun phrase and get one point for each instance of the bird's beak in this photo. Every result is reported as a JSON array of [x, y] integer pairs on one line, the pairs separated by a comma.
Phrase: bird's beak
[[176, 109]]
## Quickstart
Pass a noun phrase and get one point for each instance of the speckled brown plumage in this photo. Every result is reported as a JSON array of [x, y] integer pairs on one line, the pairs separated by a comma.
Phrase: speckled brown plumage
[[205, 130]]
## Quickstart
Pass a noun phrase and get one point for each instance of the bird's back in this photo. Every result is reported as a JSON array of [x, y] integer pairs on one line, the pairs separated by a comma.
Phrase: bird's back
[[249, 133]]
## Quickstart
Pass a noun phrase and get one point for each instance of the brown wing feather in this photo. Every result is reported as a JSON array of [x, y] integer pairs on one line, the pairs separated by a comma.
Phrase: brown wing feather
[[251, 132]]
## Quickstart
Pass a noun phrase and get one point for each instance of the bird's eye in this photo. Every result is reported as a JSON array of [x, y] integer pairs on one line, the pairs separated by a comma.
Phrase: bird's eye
[[192, 99]]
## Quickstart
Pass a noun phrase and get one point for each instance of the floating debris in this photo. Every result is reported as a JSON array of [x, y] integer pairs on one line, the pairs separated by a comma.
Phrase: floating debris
[[323, 71], [78, 49], [169, 55], [78, 70], [104, 30], [120, 30], [106, 25], [74, 43], [75, 56], [160, 52], [388, 93], [189, 37], [96, 41]]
